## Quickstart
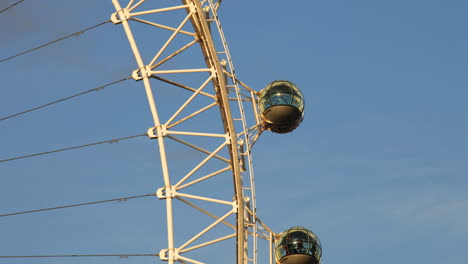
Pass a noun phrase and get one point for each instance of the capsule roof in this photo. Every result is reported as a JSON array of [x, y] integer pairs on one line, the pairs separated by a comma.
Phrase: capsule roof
[[298, 245]]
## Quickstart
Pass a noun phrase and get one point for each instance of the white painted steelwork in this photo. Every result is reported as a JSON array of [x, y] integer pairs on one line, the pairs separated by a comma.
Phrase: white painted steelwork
[[234, 141]]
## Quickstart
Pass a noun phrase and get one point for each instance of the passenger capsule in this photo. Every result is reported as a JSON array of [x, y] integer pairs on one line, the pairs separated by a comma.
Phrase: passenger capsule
[[298, 246], [282, 106]]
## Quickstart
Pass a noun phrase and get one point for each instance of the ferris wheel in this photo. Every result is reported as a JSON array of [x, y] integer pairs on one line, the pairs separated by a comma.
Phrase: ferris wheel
[[218, 116], [205, 122]]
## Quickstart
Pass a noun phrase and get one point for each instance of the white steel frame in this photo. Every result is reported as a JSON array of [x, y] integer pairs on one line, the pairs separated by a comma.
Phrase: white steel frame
[[221, 75]]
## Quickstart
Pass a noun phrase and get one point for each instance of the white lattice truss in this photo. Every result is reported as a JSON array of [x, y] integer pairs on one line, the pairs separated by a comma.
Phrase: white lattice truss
[[227, 94]]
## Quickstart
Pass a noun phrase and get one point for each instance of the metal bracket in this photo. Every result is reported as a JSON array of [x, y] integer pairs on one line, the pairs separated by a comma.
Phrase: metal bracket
[[166, 192], [228, 139], [235, 206], [248, 205], [192, 8], [153, 132], [169, 254], [143, 72], [120, 16]]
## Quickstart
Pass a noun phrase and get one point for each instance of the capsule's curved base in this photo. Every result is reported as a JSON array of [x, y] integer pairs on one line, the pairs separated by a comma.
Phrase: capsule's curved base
[[282, 118], [298, 259]]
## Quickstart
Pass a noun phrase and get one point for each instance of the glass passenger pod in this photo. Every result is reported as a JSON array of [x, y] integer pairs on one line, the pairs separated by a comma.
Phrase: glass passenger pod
[[282, 106], [298, 246]]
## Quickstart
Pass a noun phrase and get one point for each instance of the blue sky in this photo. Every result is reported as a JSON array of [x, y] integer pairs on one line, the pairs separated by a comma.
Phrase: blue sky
[[378, 169]]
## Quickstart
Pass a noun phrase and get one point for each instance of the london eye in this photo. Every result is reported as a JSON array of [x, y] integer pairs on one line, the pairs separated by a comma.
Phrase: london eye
[[201, 105]]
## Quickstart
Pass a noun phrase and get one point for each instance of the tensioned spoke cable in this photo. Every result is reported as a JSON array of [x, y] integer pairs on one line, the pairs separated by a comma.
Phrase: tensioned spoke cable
[[55, 41], [5, 9], [76, 205], [82, 146], [68, 256], [64, 99]]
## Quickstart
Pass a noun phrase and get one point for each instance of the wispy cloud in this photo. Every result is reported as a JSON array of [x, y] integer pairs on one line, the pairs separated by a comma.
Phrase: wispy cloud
[[440, 209]]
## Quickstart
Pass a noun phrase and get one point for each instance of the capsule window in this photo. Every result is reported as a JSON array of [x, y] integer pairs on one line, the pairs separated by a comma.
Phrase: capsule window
[[265, 103], [298, 240], [298, 102], [280, 251], [281, 99], [281, 93]]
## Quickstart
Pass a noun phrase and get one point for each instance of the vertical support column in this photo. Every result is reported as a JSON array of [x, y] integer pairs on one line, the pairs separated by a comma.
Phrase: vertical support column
[[121, 15]]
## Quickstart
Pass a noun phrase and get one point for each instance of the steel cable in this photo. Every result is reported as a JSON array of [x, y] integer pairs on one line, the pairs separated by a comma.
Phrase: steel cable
[[5, 9], [64, 149], [67, 256], [55, 41], [76, 205], [64, 99]]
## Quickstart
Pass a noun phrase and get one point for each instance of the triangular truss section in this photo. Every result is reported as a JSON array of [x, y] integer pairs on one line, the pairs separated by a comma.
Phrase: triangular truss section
[[197, 103]]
